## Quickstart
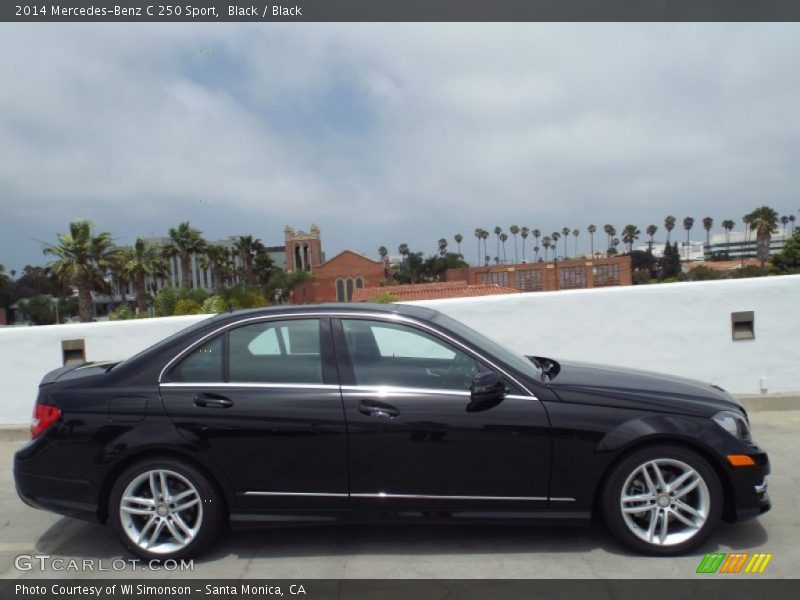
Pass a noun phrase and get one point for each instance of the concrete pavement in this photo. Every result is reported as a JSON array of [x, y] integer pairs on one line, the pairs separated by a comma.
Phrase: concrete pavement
[[418, 551]]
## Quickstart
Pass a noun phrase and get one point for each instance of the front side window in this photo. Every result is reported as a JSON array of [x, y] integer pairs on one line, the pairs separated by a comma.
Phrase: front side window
[[276, 352], [388, 354]]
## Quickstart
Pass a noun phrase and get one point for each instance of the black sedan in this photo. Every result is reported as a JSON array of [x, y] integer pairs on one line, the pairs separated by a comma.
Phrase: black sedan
[[380, 412]]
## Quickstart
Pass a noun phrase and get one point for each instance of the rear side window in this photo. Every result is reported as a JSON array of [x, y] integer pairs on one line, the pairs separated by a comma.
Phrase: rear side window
[[202, 365], [276, 352]]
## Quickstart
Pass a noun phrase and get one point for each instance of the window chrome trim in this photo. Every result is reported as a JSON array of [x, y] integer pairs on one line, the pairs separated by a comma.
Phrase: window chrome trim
[[312, 494], [562, 499], [391, 317], [222, 384], [436, 497], [391, 390]]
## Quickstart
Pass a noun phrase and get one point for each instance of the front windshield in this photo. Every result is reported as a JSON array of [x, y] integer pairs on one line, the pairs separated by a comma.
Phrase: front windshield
[[509, 357]]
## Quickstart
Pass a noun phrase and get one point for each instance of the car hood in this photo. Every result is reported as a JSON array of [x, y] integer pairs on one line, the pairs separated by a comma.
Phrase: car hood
[[632, 388]]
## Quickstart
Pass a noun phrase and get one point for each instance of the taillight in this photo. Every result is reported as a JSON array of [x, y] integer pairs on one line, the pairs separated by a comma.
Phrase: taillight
[[44, 415]]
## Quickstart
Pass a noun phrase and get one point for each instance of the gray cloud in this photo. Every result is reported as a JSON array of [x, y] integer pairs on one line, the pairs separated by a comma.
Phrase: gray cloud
[[391, 133]]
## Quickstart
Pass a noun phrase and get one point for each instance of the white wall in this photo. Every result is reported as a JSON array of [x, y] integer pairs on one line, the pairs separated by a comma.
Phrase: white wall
[[27, 353], [680, 328]]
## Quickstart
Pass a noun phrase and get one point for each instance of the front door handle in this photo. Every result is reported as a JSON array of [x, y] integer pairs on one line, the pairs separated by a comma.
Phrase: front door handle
[[371, 408], [212, 401]]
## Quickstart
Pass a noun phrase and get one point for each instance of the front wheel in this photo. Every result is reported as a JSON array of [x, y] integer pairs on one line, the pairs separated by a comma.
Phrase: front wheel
[[662, 500], [164, 509]]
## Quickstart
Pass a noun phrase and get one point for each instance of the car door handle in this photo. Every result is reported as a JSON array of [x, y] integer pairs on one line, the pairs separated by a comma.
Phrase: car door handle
[[212, 401], [371, 408]]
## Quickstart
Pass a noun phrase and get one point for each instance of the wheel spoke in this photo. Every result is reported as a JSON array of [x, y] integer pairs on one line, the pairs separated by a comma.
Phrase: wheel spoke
[[185, 494], [154, 486], [138, 511], [638, 509], [684, 520], [139, 500], [639, 498], [687, 488], [175, 533], [182, 524], [147, 526], [186, 505], [686, 508], [162, 476], [662, 536], [679, 481], [650, 485], [659, 476], [156, 532], [651, 530]]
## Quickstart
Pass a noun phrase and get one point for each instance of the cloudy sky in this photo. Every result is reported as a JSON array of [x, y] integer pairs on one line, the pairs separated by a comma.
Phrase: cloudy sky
[[391, 133]]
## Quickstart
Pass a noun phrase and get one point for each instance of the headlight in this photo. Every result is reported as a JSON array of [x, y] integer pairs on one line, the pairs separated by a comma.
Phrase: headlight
[[733, 423]]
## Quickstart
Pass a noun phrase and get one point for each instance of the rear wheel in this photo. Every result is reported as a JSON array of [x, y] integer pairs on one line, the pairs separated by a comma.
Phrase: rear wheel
[[164, 509], [663, 500]]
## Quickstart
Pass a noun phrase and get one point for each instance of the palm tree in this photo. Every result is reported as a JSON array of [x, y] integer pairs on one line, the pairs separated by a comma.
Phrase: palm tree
[[576, 232], [497, 231], [383, 252], [610, 232], [785, 222], [82, 259], [791, 220], [404, 251], [546, 246], [217, 258], [184, 241], [119, 271], [669, 225], [442, 246], [746, 222], [728, 225], [248, 248], [630, 233], [144, 260], [566, 231], [591, 229], [536, 253], [536, 235], [514, 229], [555, 236], [708, 223], [504, 238], [613, 249], [458, 238], [525, 232], [764, 221], [651, 231], [478, 232], [688, 223], [484, 237]]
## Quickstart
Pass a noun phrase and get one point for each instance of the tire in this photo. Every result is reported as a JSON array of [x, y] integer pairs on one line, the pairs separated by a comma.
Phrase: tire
[[688, 500], [180, 527]]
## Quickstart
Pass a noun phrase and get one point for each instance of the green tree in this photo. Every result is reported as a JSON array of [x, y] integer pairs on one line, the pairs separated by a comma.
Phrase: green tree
[[39, 310], [458, 239], [630, 233], [144, 260], [442, 246], [484, 237], [546, 245], [576, 232], [383, 252], [385, 298], [688, 223], [524, 232], [592, 229], [788, 259], [728, 225], [566, 231], [497, 231], [514, 229], [708, 223], [784, 222], [185, 241], [478, 232], [669, 225], [82, 259], [248, 248], [764, 221], [610, 233], [554, 237], [670, 262], [651, 232], [504, 239]]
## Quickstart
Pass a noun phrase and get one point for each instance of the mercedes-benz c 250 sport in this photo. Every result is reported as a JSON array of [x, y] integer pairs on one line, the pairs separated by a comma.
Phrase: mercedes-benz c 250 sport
[[381, 413]]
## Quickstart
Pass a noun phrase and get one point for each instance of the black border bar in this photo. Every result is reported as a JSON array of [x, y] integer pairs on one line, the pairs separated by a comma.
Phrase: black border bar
[[398, 10]]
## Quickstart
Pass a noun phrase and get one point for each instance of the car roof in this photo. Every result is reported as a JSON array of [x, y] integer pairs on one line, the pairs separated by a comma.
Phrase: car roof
[[354, 308]]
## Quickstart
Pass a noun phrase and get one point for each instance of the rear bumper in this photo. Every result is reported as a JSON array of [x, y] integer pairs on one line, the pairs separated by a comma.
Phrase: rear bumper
[[37, 492]]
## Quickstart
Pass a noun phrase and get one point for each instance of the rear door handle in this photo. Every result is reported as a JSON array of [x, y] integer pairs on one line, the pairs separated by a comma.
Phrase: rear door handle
[[370, 408], [212, 401]]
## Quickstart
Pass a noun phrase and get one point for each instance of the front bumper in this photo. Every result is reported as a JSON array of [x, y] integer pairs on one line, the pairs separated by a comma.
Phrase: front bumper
[[748, 489]]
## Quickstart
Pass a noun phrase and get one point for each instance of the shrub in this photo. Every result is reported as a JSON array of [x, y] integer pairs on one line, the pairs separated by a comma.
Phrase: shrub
[[215, 304], [122, 313], [385, 298]]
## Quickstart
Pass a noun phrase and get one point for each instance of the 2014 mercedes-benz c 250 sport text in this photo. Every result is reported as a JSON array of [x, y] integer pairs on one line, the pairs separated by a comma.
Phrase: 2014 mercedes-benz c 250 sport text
[[381, 413]]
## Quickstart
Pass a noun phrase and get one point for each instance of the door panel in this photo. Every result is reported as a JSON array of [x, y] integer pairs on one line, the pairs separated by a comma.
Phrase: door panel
[[418, 441], [273, 420]]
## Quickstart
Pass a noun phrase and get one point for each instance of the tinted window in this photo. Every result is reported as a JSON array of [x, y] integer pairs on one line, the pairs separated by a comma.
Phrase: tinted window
[[396, 355], [276, 352], [202, 365]]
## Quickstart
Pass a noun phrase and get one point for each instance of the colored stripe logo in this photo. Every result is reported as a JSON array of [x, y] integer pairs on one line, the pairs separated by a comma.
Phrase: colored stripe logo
[[734, 563]]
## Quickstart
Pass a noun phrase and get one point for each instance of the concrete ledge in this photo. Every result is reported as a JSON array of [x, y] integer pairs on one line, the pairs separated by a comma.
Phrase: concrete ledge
[[764, 402], [14, 433]]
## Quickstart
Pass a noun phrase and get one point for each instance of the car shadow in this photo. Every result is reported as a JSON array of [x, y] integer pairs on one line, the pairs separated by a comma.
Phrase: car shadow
[[68, 538]]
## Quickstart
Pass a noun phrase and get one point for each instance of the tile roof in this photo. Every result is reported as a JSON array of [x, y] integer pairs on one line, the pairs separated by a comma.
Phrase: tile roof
[[431, 291], [723, 265]]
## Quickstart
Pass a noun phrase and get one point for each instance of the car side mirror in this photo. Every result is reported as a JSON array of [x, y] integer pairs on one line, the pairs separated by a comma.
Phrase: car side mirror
[[488, 386]]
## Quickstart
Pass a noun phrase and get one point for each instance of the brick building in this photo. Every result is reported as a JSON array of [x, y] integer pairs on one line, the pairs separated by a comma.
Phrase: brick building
[[303, 250], [550, 276], [430, 291], [337, 279]]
